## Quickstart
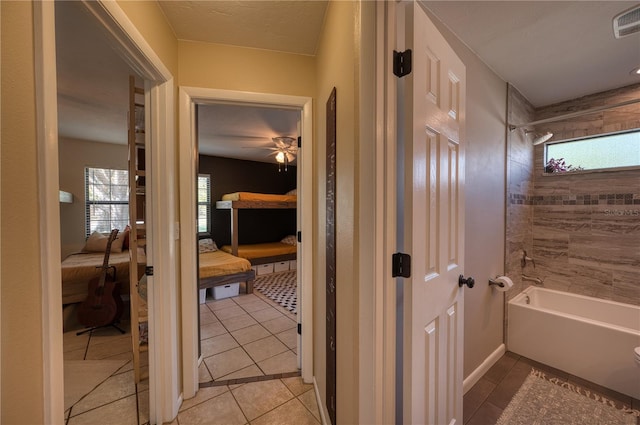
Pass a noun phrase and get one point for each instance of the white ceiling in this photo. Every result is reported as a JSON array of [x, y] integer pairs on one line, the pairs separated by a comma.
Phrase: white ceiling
[[549, 50]]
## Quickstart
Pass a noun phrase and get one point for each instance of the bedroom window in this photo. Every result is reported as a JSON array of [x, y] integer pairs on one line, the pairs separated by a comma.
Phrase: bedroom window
[[204, 202], [107, 199]]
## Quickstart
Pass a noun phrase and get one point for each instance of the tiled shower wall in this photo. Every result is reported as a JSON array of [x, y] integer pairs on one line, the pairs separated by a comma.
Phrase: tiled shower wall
[[519, 220], [585, 228]]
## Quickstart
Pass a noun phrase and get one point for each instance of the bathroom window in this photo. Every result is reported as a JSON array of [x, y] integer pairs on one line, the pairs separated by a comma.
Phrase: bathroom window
[[610, 151]]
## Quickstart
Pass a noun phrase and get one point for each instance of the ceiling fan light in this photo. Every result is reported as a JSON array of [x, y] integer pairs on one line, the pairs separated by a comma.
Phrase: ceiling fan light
[[280, 157]]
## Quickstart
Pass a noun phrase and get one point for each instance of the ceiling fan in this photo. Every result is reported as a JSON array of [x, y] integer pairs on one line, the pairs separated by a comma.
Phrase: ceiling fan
[[285, 150]]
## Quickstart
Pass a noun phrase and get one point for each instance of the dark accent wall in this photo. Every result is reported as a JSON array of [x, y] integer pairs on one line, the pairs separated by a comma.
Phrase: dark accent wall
[[234, 175]]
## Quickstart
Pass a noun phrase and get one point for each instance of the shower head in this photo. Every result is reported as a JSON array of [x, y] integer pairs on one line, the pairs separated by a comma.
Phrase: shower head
[[539, 138]]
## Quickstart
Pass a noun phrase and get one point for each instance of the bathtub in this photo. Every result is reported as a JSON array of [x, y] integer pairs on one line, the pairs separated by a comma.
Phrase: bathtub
[[587, 337]]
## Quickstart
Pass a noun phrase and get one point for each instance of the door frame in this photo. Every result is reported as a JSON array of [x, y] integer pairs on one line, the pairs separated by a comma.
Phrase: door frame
[[189, 97], [164, 395]]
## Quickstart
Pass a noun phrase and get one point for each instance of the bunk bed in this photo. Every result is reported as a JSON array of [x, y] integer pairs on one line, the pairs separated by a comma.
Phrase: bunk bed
[[263, 253]]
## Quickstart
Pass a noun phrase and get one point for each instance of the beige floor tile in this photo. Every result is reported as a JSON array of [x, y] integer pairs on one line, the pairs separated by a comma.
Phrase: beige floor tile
[[266, 314], [220, 304], [309, 401], [296, 385], [71, 341], [143, 406], [114, 388], [208, 317], [284, 362], [203, 394], [238, 322], [257, 398], [203, 373], [228, 362], [245, 299], [250, 334], [279, 324], [204, 308], [289, 337], [247, 372], [255, 306], [292, 412], [264, 348], [217, 344], [211, 329], [120, 412], [228, 313], [104, 348], [75, 354], [222, 409], [81, 377]]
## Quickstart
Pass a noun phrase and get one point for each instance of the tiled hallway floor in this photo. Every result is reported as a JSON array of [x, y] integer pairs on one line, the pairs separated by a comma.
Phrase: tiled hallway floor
[[484, 402], [251, 324], [246, 335]]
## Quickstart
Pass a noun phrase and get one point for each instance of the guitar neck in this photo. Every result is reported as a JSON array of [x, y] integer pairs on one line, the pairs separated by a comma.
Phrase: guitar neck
[[107, 252]]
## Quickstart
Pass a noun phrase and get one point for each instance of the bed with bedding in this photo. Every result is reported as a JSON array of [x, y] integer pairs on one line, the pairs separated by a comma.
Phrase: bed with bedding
[[261, 253], [79, 268], [220, 268]]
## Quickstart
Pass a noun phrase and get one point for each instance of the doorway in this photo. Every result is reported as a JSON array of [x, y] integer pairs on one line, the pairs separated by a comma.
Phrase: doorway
[[163, 387], [247, 327], [190, 100]]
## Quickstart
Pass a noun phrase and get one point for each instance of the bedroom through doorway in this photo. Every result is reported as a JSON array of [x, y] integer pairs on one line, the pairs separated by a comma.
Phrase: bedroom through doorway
[[247, 225]]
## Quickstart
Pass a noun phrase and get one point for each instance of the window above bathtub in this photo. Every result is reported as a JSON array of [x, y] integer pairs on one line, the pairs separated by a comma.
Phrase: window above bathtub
[[614, 151]]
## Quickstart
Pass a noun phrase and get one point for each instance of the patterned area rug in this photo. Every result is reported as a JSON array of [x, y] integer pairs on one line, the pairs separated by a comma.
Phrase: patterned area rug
[[280, 287], [542, 400]]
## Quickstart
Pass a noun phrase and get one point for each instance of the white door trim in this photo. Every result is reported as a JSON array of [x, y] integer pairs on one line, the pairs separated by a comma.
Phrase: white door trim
[[188, 98], [49, 203], [386, 214], [164, 385]]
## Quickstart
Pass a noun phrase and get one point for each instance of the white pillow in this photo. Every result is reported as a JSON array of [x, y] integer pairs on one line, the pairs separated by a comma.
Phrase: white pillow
[[97, 242], [289, 240], [206, 245]]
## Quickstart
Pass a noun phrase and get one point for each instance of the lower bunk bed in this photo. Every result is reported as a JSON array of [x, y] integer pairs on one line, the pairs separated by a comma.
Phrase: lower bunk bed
[[219, 268], [263, 253]]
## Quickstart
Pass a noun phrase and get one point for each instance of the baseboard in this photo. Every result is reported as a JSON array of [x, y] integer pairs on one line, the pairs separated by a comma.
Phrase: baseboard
[[475, 376], [323, 417]]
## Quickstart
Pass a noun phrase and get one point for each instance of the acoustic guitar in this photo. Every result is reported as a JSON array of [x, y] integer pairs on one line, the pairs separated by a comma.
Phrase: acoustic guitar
[[103, 304]]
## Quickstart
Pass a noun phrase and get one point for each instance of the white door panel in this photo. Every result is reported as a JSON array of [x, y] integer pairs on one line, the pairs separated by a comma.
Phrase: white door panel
[[434, 101]]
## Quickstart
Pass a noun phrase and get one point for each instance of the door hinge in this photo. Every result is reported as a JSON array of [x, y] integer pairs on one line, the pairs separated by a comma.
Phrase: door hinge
[[299, 141], [402, 63], [299, 328], [299, 236], [148, 270], [401, 265]]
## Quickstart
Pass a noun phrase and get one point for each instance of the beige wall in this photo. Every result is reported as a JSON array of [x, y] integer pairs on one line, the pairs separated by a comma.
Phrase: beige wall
[[237, 68], [75, 155], [149, 19], [22, 365], [336, 67], [484, 204]]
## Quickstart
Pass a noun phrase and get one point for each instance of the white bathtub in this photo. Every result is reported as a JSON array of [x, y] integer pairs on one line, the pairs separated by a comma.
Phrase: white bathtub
[[587, 337]]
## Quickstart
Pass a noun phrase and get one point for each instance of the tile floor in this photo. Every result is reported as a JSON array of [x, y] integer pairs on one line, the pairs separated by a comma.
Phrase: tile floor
[[247, 335], [248, 327], [484, 402]]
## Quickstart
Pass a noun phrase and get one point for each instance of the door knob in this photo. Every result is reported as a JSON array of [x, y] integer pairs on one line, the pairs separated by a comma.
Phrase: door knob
[[468, 281]]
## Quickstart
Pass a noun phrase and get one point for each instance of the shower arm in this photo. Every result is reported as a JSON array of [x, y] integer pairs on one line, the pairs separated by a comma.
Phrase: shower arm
[[575, 114]]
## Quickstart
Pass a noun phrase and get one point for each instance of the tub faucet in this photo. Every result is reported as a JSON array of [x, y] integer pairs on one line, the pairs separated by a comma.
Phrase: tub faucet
[[526, 258], [535, 280]]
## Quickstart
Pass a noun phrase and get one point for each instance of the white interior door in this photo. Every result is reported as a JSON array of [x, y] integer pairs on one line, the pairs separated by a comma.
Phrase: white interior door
[[433, 128]]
